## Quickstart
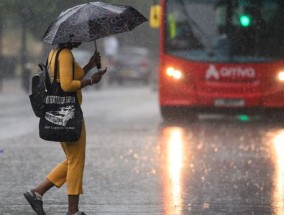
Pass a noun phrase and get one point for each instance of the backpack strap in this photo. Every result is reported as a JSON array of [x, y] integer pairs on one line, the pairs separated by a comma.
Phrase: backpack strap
[[46, 63], [56, 64]]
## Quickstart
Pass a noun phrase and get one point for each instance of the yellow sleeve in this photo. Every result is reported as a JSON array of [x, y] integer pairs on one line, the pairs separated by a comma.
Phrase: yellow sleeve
[[66, 72]]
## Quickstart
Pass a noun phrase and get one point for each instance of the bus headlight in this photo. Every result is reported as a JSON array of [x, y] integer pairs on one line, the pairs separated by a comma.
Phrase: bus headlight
[[280, 76], [174, 73]]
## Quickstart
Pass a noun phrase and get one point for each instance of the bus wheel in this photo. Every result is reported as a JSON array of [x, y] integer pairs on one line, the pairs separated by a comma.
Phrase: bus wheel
[[178, 114], [168, 114]]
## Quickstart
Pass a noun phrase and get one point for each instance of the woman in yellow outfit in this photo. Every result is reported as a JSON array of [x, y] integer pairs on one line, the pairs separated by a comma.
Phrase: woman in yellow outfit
[[71, 169]]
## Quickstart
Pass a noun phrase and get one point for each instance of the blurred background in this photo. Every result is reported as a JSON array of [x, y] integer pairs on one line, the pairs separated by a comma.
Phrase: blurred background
[[137, 162], [23, 23]]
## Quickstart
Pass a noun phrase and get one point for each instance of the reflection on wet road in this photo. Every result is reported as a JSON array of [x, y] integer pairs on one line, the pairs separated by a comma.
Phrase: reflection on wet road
[[227, 167], [277, 151], [173, 148]]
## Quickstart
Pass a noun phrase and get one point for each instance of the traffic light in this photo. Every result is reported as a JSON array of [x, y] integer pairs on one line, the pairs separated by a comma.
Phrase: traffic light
[[245, 20]]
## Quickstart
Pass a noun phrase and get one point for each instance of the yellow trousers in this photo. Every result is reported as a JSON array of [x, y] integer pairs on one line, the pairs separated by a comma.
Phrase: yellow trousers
[[71, 169]]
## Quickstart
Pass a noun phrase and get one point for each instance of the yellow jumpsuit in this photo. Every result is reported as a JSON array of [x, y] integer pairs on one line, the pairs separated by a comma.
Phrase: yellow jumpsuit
[[71, 169]]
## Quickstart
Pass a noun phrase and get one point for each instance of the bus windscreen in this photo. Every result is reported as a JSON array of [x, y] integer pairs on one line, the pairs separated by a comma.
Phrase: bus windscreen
[[225, 31]]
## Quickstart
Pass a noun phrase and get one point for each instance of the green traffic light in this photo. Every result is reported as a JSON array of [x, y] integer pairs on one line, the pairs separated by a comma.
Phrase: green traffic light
[[243, 118], [245, 20]]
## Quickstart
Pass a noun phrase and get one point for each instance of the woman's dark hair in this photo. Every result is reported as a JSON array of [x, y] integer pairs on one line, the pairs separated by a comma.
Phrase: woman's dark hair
[[69, 45]]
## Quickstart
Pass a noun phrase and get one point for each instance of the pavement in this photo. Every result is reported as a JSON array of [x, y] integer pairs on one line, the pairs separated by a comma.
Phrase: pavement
[[137, 165], [116, 180]]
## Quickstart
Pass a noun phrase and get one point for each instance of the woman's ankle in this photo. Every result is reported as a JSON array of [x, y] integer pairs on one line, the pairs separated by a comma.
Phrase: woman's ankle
[[38, 194], [73, 204], [42, 188]]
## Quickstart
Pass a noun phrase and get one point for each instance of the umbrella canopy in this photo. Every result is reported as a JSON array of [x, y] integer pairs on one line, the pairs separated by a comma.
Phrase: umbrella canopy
[[91, 21]]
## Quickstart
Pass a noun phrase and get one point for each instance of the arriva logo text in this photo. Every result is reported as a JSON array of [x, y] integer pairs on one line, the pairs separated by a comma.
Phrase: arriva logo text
[[229, 72]]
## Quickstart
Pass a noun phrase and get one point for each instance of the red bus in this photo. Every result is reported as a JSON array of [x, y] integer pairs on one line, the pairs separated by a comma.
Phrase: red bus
[[224, 56]]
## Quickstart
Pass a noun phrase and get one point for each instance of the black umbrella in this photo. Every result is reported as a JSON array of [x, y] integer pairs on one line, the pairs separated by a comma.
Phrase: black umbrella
[[91, 21]]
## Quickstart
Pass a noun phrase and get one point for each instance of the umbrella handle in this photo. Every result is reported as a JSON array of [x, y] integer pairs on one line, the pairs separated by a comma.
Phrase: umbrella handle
[[99, 65], [96, 48]]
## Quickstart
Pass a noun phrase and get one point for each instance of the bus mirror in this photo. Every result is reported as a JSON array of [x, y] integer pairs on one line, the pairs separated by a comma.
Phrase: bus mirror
[[155, 16]]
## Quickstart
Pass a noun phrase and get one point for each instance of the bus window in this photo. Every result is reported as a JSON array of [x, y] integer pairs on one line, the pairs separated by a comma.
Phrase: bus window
[[180, 35], [235, 29]]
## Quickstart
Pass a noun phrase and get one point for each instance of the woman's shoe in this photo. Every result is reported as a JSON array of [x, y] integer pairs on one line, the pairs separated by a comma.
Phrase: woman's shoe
[[35, 202]]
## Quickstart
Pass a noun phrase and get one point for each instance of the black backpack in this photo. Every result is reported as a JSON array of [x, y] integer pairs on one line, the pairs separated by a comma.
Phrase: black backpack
[[40, 86]]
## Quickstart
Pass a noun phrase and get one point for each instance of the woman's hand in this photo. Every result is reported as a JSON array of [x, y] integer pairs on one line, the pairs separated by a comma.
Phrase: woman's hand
[[94, 79], [95, 60], [98, 76]]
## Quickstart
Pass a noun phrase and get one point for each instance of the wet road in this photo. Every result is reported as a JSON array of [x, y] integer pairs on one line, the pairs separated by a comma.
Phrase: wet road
[[136, 164], [222, 168]]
